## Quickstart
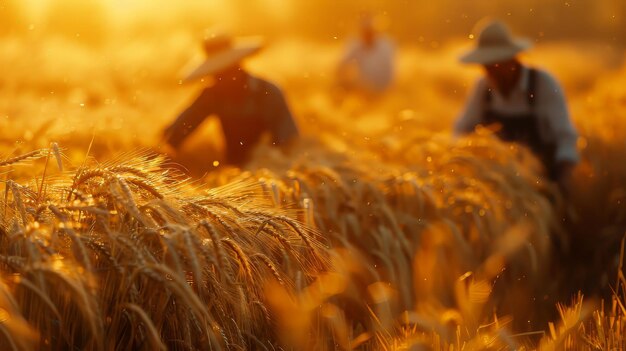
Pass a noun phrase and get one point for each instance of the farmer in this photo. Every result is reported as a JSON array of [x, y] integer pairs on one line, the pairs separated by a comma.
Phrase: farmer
[[524, 104], [247, 107], [367, 65]]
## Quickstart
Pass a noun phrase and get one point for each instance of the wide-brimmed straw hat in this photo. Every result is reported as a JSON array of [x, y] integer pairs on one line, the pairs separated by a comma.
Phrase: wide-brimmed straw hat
[[223, 51], [495, 44]]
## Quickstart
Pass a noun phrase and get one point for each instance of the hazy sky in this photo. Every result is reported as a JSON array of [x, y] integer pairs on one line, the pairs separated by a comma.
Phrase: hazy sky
[[407, 19]]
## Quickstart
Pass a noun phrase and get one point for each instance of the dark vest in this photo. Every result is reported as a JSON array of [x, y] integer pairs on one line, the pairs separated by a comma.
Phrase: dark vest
[[244, 120], [522, 128], [243, 130]]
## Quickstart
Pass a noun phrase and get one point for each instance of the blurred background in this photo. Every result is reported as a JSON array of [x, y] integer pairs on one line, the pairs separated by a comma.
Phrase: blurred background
[[73, 69], [408, 20]]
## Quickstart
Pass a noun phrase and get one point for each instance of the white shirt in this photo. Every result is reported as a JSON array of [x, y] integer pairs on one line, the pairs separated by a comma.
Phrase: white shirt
[[550, 108], [374, 63]]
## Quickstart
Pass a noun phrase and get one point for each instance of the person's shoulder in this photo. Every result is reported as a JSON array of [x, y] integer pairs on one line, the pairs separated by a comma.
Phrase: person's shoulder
[[386, 40], [545, 78], [207, 92], [265, 86], [352, 44], [480, 83]]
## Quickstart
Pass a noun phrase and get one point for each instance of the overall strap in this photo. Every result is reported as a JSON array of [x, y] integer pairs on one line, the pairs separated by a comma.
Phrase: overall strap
[[256, 89], [532, 87], [260, 100], [488, 97], [261, 89]]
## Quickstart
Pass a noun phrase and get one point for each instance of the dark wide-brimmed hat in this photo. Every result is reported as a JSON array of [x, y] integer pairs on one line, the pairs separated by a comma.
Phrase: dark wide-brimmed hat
[[495, 44], [223, 51]]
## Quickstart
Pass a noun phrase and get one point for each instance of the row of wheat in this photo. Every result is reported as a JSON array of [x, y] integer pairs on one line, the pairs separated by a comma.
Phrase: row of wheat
[[320, 253]]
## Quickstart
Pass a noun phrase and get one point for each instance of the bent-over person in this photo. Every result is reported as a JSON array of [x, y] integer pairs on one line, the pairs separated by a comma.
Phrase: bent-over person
[[367, 66], [526, 103], [247, 106]]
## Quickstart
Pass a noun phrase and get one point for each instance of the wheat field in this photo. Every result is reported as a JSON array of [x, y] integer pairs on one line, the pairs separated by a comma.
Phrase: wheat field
[[377, 230]]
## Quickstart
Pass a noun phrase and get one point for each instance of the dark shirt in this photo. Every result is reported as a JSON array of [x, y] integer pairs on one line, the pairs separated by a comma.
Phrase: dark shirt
[[261, 108]]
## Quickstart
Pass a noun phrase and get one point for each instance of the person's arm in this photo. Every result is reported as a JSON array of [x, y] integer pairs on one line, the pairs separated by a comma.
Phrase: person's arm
[[349, 54], [282, 125], [391, 56], [345, 65], [189, 119], [471, 115], [553, 108]]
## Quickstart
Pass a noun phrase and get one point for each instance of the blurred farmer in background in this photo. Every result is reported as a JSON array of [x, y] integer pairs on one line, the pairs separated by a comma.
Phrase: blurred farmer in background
[[524, 104], [247, 107], [367, 65]]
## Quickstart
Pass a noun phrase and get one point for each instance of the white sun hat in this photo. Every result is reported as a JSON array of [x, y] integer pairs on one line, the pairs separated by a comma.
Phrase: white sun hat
[[223, 51], [495, 44]]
